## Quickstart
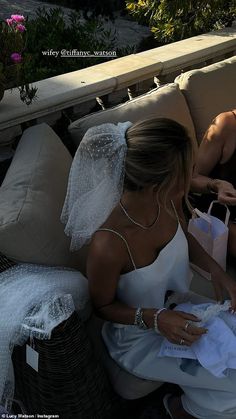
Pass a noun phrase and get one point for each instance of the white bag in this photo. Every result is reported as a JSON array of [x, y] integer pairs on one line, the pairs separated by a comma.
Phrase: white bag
[[212, 235]]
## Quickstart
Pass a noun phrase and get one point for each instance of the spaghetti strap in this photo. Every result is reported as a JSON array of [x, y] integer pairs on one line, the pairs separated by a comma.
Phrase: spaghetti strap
[[176, 214], [124, 240]]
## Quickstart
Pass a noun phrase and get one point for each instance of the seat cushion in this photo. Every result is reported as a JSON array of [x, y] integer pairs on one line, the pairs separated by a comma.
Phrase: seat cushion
[[31, 199], [166, 101], [208, 92]]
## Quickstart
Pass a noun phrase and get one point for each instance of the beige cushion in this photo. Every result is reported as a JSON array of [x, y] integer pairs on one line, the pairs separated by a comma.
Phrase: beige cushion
[[209, 91], [166, 102], [31, 199]]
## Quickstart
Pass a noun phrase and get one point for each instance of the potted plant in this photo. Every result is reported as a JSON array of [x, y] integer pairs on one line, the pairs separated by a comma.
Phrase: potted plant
[[13, 41]]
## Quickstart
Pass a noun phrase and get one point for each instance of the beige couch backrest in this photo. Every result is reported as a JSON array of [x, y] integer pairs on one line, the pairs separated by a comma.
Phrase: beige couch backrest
[[31, 199], [208, 92], [166, 101]]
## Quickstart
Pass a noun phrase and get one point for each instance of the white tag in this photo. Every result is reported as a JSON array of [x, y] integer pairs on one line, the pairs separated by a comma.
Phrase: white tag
[[32, 358]]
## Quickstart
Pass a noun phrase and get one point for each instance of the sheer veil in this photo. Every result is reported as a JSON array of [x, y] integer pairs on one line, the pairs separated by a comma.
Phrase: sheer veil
[[95, 182]]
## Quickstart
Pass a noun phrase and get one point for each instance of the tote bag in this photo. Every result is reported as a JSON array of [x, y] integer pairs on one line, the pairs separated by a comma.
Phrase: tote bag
[[212, 235]]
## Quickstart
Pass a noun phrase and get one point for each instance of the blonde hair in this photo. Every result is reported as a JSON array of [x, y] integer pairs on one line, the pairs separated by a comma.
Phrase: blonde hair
[[159, 152]]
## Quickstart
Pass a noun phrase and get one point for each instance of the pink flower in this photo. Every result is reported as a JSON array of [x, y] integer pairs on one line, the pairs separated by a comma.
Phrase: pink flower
[[20, 28], [18, 18], [9, 22], [16, 57]]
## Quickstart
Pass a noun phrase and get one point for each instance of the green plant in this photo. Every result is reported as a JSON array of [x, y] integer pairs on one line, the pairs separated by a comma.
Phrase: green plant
[[173, 20], [93, 7], [50, 30], [13, 41]]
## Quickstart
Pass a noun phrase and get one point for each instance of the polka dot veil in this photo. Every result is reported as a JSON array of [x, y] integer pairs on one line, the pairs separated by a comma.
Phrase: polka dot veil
[[95, 182]]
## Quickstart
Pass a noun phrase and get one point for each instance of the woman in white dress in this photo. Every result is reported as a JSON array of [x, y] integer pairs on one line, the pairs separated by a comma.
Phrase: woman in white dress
[[137, 176]]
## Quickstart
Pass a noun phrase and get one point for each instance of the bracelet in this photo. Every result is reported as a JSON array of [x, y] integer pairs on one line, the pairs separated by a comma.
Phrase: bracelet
[[211, 185], [138, 319], [155, 318]]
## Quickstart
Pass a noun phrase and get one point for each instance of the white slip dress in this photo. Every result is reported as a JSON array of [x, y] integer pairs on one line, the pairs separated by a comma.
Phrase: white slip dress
[[136, 350]]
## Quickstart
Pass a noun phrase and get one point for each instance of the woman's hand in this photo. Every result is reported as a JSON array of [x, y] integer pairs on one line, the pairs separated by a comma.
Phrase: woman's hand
[[226, 193], [177, 327], [220, 281]]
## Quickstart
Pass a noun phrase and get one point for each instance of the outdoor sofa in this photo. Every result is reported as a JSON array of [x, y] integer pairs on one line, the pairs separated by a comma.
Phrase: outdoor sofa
[[33, 191]]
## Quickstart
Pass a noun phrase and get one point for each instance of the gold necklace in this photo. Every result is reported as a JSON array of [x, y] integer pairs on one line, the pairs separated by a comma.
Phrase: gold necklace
[[138, 224]]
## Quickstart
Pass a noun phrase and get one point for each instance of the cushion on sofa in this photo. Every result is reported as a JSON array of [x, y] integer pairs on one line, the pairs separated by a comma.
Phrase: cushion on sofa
[[209, 91], [31, 199], [166, 101]]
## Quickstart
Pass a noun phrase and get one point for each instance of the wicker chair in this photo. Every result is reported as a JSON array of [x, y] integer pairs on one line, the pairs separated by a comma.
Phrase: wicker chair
[[5, 263], [70, 381]]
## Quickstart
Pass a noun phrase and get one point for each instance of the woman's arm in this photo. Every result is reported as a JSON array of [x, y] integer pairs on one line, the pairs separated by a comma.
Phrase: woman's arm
[[225, 191], [211, 147], [205, 184], [105, 262], [218, 143], [217, 146]]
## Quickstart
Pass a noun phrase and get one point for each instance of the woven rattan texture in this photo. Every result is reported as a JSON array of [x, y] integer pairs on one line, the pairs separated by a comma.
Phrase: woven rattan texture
[[70, 382], [5, 263]]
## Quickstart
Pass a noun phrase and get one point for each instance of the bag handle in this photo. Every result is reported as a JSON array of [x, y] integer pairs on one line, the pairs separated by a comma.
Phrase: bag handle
[[227, 215], [201, 214], [205, 217]]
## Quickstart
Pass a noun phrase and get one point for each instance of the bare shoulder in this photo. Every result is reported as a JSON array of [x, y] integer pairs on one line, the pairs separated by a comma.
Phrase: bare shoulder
[[107, 250], [104, 265], [223, 123], [220, 130], [225, 117]]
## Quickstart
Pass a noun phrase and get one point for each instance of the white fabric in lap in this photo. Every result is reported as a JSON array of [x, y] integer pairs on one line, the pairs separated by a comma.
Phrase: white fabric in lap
[[216, 350], [136, 350]]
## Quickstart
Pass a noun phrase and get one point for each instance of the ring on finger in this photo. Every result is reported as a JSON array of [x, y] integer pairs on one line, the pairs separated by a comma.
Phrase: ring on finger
[[187, 325], [181, 342]]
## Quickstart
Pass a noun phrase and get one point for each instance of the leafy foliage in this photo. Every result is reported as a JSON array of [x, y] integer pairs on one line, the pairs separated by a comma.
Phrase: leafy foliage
[[173, 20], [50, 30], [95, 7], [13, 41], [10, 41]]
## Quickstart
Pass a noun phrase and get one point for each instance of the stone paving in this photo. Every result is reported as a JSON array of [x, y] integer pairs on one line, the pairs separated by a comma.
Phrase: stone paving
[[128, 32]]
